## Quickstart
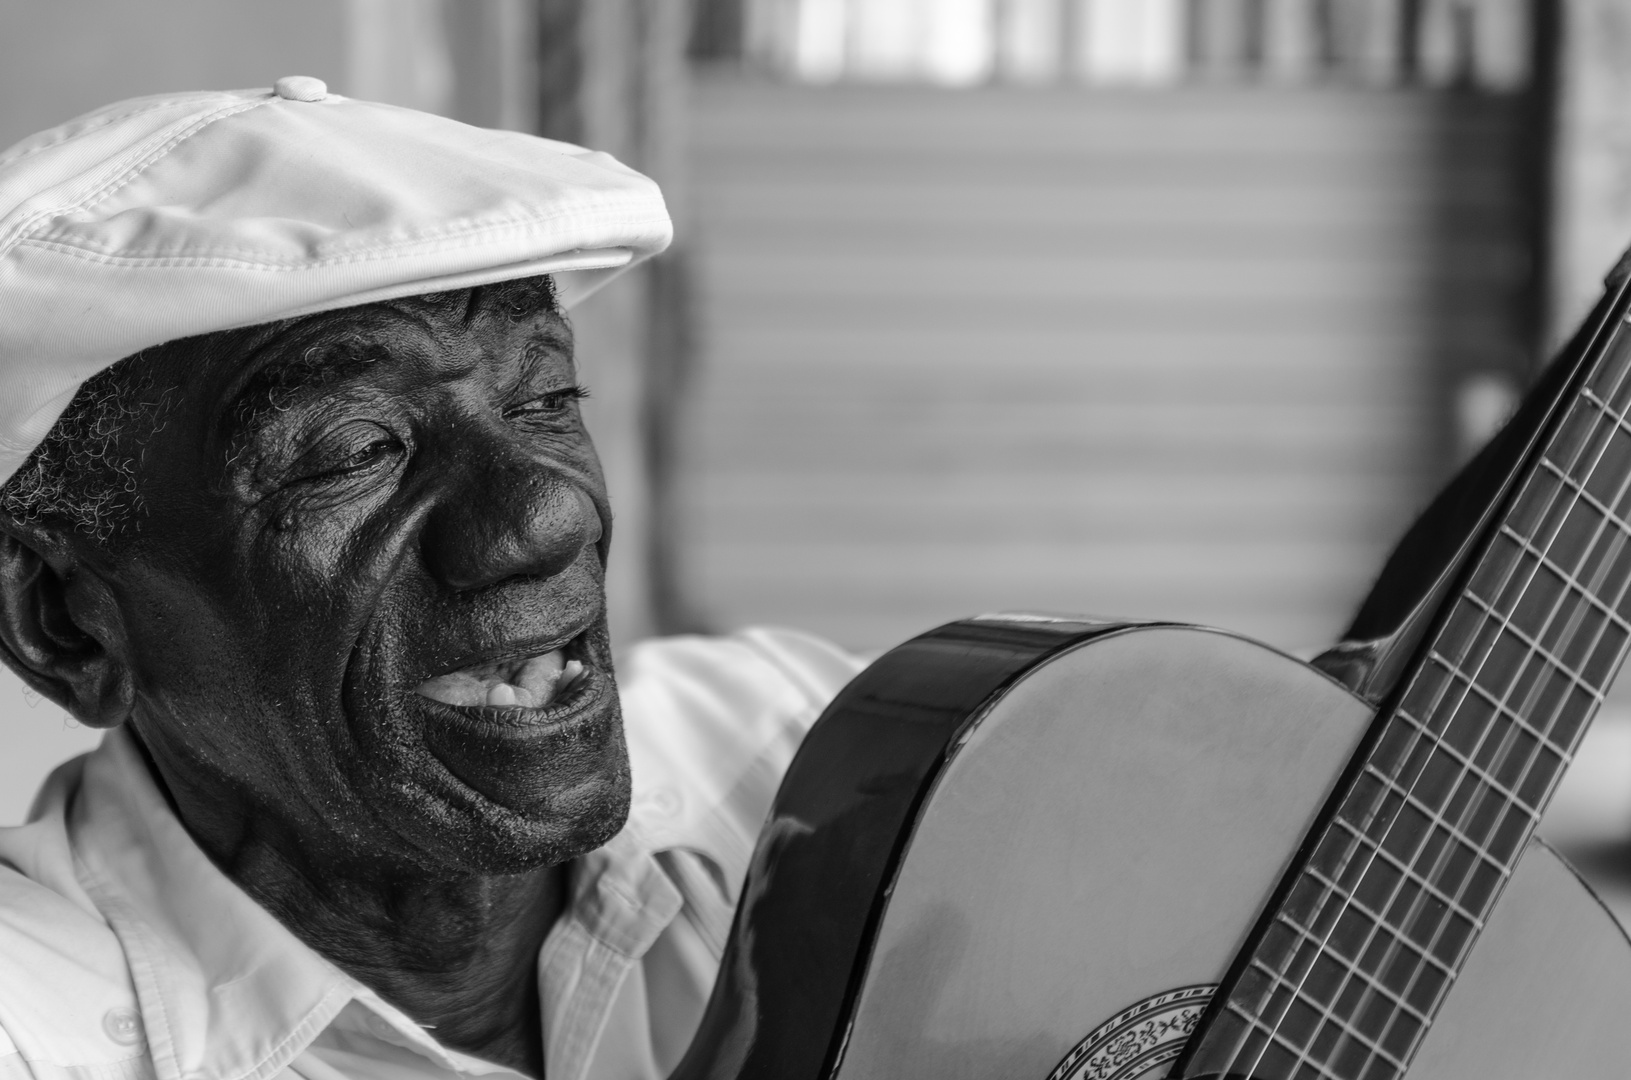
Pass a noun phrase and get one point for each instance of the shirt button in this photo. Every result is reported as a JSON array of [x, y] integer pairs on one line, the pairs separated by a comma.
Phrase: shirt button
[[123, 1025], [300, 88], [666, 801], [382, 1027]]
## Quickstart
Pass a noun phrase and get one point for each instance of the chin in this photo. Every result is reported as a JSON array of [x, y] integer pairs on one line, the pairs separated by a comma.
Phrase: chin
[[506, 794]]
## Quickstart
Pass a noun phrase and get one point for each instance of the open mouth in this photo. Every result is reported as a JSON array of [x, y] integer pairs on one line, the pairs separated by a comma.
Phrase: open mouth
[[527, 682]]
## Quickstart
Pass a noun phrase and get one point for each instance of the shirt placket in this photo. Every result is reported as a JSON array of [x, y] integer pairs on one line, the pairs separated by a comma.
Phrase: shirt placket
[[623, 903]]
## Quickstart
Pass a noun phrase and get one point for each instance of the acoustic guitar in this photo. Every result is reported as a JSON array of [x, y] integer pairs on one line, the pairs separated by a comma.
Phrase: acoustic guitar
[[1067, 849]]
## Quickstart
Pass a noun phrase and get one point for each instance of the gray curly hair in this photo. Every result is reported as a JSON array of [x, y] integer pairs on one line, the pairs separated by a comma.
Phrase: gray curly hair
[[83, 476]]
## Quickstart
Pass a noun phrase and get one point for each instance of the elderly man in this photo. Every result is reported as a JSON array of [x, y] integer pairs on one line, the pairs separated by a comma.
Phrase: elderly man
[[299, 509]]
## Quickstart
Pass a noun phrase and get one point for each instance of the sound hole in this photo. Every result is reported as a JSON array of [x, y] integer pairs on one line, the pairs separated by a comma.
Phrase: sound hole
[[1141, 1041]]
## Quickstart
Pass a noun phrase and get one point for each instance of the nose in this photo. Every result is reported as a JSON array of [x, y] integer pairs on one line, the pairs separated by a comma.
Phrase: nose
[[508, 516]]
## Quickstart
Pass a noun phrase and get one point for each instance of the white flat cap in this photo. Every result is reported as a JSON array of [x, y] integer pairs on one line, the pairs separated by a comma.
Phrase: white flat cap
[[163, 217]]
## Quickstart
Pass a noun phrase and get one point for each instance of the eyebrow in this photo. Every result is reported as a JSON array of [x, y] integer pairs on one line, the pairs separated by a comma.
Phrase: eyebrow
[[278, 387]]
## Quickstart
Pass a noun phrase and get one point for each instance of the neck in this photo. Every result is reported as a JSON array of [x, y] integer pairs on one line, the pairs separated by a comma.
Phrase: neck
[[457, 953], [459, 956]]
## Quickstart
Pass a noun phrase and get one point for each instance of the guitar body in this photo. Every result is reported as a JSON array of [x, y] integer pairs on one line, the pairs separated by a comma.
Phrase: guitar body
[[1029, 850]]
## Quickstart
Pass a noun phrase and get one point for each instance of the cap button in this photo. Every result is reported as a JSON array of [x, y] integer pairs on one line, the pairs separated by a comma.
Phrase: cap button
[[300, 88]]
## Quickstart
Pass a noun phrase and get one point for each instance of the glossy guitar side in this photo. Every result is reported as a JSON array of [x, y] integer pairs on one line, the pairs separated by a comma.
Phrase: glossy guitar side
[[1007, 833]]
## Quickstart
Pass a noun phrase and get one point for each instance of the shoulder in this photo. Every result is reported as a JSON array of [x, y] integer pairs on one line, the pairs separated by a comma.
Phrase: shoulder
[[712, 724], [738, 680], [66, 996]]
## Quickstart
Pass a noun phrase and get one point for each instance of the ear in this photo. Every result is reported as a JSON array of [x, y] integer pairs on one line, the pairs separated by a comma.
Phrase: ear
[[40, 637]]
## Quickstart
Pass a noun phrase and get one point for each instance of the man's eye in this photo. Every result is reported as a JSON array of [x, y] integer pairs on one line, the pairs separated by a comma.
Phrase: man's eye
[[339, 462], [367, 455], [550, 404]]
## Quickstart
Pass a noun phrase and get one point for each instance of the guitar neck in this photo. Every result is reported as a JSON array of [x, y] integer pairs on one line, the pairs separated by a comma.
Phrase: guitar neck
[[1347, 968]]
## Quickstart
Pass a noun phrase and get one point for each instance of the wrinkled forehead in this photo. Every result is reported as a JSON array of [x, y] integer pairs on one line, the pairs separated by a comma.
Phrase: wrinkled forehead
[[270, 368], [252, 366]]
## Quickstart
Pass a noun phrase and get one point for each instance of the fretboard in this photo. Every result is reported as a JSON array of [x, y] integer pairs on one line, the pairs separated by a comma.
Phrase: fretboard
[[1343, 976]]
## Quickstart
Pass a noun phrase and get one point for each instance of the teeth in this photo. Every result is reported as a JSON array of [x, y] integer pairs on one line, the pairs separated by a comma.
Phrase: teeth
[[456, 688], [541, 673], [530, 683]]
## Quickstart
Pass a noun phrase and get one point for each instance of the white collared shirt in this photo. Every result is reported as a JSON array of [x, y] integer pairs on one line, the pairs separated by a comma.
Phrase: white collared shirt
[[125, 954]]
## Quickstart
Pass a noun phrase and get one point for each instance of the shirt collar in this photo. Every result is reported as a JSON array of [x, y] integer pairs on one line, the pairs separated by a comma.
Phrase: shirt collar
[[225, 990]]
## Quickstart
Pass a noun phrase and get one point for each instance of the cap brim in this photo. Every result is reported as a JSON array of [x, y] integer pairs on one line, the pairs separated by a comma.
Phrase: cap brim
[[577, 274]]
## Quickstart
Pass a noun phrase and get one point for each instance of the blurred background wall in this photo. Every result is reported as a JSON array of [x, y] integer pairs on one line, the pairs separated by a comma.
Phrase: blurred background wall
[[1129, 306], [1174, 308]]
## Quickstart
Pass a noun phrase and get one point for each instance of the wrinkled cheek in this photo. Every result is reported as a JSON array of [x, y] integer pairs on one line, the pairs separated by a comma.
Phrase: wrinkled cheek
[[245, 708]]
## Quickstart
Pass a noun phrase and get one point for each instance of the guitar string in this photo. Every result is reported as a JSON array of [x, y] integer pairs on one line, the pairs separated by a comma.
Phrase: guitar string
[[1572, 498], [1353, 849], [1620, 536], [1505, 735], [1417, 738], [1420, 736], [1572, 605], [1606, 556]]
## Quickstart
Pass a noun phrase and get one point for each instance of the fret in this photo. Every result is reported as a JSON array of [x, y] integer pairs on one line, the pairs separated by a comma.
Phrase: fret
[[1605, 487], [1551, 694], [1304, 1022], [1607, 372], [1305, 1018], [1327, 985], [1449, 776], [1536, 502], [1584, 438], [1592, 651], [1606, 480], [1471, 767], [1570, 444], [1583, 536], [1274, 1055], [1361, 928], [1482, 886], [1459, 638], [1457, 834], [1588, 394], [1459, 732], [1400, 912], [1315, 1020], [1532, 599], [1489, 829], [1424, 695], [1583, 497], [1242, 1037], [1569, 586], [1391, 1016], [1576, 680], [1416, 977], [1304, 1014], [1361, 955], [1403, 886], [1319, 990], [1582, 425], [1491, 696], [1477, 873]]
